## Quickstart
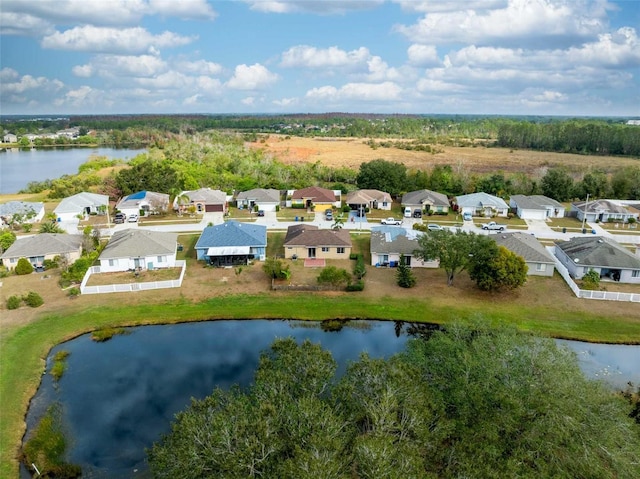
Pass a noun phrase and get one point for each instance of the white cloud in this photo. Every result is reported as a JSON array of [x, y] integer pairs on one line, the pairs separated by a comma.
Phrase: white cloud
[[117, 66], [167, 80], [83, 97], [618, 49], [47, 13], [192, 100], [311, 57], [321, 7], [7, 74], [22, 24], [26, 83], [522, 21], [253, 77], [387, 91], [112, 40], [430, 6], [201, 67], [286, 102], [249, 101], [423, 55]]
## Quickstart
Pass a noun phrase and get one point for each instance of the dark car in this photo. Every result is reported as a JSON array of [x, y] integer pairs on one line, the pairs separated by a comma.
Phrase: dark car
[[119, 218], [417, 214], [260, 212]]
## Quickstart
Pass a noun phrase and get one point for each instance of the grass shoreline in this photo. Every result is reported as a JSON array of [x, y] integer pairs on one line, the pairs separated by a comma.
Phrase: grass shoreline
[[24, 349]]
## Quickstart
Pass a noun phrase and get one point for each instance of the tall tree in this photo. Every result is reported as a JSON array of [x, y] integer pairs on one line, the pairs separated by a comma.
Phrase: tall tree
[[497, 268], [454, 251], [557, 184], [404, 276], [382, 175]]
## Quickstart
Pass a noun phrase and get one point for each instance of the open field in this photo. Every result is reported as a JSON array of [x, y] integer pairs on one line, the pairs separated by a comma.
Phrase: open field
[[351, 152]]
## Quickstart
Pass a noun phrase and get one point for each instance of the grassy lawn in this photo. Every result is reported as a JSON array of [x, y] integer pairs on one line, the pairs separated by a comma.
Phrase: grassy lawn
[[544, 305], [570, 223], [125, 277]]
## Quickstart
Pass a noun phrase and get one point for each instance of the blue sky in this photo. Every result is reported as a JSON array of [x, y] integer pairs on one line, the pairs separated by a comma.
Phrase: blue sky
[[520, 57]]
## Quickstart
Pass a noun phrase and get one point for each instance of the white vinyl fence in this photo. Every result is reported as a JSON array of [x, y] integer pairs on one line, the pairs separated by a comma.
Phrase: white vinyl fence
[[129, 287], [587, 294]]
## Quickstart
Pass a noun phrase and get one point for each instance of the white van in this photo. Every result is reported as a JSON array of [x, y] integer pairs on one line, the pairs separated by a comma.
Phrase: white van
[[407, 212]]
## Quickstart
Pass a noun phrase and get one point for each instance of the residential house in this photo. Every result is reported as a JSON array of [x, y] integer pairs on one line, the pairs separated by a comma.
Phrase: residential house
[[315, 196], [539, 261], [536, 207], [139, 249], [603, 211], [259, 198], [604, 255], [143, 203], [308, 241], [81, 204], [389, 243], [425, 201], [40, 247], [10, 138], [372, 199], [205, 200], [232, 243], [28, 212], [482, 204]]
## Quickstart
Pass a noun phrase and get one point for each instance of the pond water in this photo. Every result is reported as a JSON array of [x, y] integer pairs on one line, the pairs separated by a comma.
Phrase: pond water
[[19, 166], [120, 396]]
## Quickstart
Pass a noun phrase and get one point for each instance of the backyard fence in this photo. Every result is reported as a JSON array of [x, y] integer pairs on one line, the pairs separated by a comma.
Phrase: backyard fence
[[588, 294], [129, 287]]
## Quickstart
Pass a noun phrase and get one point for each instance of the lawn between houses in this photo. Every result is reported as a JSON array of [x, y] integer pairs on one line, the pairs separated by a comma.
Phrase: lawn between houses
[[544, 305]]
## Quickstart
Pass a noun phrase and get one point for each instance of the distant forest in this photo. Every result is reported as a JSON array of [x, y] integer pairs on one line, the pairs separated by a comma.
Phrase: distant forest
[[587, 136]]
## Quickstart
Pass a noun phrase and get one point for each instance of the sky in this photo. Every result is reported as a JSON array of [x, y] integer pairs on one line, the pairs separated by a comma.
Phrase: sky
[[501, 57]]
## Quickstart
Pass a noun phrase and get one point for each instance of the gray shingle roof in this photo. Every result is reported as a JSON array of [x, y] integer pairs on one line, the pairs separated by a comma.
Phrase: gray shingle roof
[[207, 196], [309, 235], [481, 200], [394, 240], [44, 244], [233, 233], [601, 206], [599, 251], [421, 197], [260, 195], [131, 243], [536, 202], [20, 207], [77, 203], [524, 245]]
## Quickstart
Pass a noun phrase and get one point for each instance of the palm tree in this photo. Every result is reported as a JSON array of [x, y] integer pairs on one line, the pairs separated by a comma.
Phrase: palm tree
[[180, 198], [338, 223], [50, 227]]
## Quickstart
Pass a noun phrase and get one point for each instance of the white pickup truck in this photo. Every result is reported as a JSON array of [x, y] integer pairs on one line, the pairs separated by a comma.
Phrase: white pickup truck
[[493, 226], [390, 221]]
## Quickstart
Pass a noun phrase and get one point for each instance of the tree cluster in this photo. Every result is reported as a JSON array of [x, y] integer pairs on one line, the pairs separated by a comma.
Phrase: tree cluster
[[468, 402], [493, 268]]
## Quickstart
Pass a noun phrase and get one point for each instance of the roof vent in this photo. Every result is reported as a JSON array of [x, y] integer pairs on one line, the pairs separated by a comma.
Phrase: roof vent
[[600, 241]]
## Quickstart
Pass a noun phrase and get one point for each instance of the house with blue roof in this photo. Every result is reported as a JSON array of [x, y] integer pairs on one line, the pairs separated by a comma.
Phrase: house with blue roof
[[232, 243]]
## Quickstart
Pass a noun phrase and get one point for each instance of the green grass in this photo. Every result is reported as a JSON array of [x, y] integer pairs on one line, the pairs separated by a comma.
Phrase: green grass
[[105, 334], [59, 364], [24, 349]]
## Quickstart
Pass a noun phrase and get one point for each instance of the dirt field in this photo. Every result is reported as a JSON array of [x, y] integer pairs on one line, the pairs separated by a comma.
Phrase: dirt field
[[351, 152]]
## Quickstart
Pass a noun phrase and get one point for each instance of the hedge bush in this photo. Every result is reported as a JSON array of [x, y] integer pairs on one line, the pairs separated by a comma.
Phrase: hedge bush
[[24, 267], [33, 299], [14, 302]]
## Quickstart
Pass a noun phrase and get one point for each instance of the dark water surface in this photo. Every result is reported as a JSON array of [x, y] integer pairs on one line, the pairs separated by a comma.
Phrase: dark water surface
[[20, 166], [120, 396]]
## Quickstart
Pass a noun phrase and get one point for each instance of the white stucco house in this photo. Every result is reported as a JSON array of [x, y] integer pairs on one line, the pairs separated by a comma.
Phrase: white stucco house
[[132, 249], [425, 201], [536, 207], [603, 210], [263, 199], [40, 247], [10, 138], [482, 204], [81, 204], [143, 203], [29, 211], [539, 261], [372, 199]]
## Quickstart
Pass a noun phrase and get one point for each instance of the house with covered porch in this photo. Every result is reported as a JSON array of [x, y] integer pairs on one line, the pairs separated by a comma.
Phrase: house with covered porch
[[134, 249], [232, 243]]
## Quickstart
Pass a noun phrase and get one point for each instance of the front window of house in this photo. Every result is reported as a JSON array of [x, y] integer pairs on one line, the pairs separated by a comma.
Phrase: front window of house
[[340, 250]]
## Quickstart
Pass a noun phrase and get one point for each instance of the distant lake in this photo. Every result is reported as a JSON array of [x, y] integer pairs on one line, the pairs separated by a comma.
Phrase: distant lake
[[120, 396], [18, 167]]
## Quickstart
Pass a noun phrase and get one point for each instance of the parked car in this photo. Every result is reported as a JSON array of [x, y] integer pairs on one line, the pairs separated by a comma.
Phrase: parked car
[[407, 212], [133, 218], [328, 214], [434, 227], [417, 214], [260, 212], [493, 226], [119, 218], [390, 221], [467, 217]]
